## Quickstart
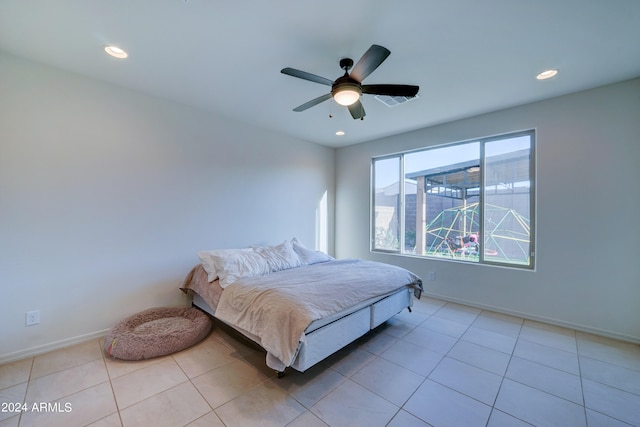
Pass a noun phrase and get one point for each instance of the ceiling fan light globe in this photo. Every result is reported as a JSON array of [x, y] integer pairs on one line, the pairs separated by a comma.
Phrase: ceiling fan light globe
[[347, 95]]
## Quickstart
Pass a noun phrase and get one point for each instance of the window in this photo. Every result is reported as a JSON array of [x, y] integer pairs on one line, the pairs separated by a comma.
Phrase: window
[[386, 173], [471, 201]]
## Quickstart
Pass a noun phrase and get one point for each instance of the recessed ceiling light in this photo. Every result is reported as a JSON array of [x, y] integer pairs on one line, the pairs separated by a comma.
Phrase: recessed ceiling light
[[116, 52], [547, 74], [340, 133]]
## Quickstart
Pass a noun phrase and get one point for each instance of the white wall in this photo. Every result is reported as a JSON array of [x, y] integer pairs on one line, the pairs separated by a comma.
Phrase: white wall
[[588, 212], [106, 195]]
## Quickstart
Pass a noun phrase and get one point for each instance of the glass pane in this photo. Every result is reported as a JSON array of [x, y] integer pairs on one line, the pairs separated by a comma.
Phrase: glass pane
[[507, 200], [386, 201], [441, 201]]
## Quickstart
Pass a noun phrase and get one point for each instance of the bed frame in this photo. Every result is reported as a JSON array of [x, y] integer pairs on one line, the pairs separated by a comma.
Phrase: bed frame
[[326, 336]]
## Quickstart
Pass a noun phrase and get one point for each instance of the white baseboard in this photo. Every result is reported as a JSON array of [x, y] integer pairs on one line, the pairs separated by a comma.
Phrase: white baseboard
[[543, 319], [34, 351]]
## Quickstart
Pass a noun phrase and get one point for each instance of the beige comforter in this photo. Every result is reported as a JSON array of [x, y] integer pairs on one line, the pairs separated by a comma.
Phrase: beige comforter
[[275, 309]]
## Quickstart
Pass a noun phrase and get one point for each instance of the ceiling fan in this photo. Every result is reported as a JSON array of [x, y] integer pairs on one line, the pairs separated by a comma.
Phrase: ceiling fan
[[346, 90]]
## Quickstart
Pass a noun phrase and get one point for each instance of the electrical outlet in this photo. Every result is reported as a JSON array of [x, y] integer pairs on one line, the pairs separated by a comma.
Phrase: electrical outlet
[[33, 317], [432, 276]]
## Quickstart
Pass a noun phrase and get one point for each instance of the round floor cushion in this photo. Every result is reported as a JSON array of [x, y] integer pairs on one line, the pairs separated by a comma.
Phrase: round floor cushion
[[156, 332]]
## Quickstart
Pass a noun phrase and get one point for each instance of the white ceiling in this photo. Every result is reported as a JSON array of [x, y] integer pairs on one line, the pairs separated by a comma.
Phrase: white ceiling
[[225, 56]]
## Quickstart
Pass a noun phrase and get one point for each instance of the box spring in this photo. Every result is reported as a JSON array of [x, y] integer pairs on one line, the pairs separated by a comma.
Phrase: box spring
[[326, 336]]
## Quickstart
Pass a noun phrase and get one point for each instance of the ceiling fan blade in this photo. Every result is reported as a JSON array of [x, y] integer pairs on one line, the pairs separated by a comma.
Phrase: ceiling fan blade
[[371, 60], [357, 110], [391, 90], [306, 76], [313, 102]]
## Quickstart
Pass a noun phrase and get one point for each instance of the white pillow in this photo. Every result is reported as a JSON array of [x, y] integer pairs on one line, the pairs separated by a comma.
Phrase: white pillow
[[280, 257], [236, 265], [207, 259], [309, 256]]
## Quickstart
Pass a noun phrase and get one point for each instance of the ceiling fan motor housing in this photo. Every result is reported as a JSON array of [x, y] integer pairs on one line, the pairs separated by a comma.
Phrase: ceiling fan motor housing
[[346, 83], [346, 91]]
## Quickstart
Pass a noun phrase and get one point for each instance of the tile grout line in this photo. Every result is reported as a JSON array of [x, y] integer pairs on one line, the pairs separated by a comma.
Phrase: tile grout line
[[197, 389], [113, 392], [504, 376], [26, 390]]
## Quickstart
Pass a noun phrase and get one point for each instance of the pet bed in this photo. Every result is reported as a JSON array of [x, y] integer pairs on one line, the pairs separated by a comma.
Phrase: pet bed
[[156, 332]]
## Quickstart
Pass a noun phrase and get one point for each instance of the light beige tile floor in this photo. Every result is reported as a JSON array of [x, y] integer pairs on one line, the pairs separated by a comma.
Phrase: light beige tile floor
[[444, 364]]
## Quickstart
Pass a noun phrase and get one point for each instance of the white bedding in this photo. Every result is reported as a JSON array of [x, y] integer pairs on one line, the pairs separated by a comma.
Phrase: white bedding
[[275, 309]]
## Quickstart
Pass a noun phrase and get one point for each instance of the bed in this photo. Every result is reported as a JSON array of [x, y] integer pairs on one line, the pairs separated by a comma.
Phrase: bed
[[299, 305]]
